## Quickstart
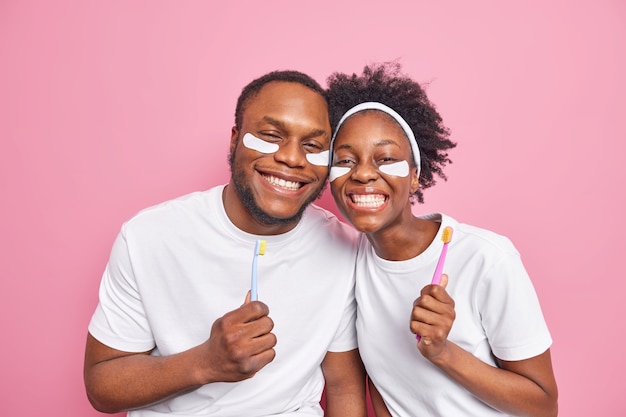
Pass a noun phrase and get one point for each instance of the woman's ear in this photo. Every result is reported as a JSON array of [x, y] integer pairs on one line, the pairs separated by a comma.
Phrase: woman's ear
[[415, 181]]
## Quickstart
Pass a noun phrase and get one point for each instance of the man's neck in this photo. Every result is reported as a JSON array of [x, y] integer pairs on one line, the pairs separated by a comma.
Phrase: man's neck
[[241, 217]]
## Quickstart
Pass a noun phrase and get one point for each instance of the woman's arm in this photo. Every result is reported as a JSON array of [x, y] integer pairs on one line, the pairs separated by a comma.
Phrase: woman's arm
[[345, 384], [519, 388]]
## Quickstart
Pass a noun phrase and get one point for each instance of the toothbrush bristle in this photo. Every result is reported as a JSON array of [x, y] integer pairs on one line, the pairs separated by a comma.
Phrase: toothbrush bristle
[[446, 236], [262, 247]]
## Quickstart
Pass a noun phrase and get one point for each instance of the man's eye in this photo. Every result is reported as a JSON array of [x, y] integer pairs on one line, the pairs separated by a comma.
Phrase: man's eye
[[271, 136], [313, 147]]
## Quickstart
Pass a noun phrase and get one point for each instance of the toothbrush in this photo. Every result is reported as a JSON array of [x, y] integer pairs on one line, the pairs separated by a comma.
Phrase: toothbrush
[[259, 249], [446, 237]]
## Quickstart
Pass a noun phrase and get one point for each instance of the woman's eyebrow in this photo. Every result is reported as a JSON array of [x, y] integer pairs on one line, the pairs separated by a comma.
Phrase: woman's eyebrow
[[384, 142]]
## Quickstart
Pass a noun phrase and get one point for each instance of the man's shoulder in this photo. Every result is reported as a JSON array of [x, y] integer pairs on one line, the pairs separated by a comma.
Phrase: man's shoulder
[[324, 219], [181, 208]]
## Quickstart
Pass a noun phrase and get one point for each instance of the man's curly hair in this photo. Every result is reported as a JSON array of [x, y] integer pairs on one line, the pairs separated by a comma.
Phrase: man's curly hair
[[385, 83]]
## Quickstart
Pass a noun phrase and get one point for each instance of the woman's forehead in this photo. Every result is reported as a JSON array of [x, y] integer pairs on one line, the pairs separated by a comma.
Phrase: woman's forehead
[[371, 126]]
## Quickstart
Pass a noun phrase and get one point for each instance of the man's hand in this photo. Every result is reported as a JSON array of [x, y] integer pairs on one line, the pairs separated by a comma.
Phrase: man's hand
[[240, 344]]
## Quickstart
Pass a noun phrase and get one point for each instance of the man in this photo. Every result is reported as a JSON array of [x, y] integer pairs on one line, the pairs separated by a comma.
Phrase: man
[[175, 333]]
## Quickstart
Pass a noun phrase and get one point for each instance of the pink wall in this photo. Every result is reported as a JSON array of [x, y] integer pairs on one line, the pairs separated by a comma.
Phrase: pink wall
[[108, 107]]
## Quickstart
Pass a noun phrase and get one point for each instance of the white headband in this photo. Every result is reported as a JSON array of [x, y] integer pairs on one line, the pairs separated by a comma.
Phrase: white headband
[[372, 105]]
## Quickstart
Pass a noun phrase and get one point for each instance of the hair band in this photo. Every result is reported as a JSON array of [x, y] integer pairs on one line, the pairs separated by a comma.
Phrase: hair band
[[372, 105]]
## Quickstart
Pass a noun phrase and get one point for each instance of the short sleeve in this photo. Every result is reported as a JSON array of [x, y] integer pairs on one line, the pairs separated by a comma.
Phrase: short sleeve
[[510, 311], [345, 338], [119, 320]]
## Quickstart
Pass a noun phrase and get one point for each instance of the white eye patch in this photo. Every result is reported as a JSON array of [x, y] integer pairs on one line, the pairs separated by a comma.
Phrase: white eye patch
[[257, 144], [336, 172], [252, 142], [319, 159], [397, 169]]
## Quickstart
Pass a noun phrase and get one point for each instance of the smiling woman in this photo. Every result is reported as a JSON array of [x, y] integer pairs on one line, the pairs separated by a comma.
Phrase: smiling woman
[[496, 360]]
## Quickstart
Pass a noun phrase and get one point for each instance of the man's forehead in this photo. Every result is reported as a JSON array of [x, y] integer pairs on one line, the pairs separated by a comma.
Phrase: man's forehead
[[280, 102], [285, 90]]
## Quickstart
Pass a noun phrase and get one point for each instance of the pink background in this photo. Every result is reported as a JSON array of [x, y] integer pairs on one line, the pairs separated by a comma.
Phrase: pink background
[[109, 107]]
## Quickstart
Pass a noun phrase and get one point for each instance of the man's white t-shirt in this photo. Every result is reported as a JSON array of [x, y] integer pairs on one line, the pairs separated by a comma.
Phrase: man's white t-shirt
[[177, 267]]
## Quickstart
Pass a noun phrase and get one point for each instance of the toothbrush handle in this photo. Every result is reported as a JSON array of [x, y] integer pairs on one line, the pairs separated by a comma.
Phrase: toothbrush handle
[[437, 275], [253, 284], [439, 268]]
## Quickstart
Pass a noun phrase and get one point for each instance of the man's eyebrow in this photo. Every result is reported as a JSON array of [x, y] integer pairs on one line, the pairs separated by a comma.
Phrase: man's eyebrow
[[273, 122], [281, 125]]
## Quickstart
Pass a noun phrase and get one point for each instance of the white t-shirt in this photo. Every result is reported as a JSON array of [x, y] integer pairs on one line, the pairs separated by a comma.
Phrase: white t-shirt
[[497, 313], [177, 267]]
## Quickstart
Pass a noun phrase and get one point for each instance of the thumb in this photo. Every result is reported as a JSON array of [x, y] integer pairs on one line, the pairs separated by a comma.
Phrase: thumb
[[444, 280], [247, 300]]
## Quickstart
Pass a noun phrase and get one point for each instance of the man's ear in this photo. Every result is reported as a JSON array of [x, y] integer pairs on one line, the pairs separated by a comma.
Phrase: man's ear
[[234, 134]]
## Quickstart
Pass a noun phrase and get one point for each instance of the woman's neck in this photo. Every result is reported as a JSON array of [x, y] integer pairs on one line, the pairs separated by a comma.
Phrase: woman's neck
[[404, 240]]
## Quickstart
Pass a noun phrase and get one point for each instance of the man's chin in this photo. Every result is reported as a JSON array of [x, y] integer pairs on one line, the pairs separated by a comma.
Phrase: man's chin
[[272, 218], [276, 211]]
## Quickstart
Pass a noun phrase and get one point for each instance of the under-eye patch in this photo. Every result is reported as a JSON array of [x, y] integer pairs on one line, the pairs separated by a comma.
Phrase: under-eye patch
[[319, 159], [336, 172], [397, 169], [256, 144]]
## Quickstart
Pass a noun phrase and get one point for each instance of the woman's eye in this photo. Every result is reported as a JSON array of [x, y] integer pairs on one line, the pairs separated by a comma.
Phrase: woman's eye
[[343, 162]]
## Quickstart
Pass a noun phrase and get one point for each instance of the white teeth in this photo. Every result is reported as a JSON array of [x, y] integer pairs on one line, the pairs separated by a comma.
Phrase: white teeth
[[368, 200], [279, 182]]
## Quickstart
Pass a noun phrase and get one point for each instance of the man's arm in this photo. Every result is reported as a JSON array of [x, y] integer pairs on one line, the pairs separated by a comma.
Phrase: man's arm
[[240, 345], [345, 384]]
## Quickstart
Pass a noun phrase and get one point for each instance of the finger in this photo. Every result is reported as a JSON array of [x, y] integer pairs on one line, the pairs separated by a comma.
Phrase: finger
[[259, 327], [434, 294], [262, 343], [249, 312], [247, 300], [263, 358], [444, 280]]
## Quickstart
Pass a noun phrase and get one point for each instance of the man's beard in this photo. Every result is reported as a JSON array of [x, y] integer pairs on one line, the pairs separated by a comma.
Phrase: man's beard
[[244, 192]]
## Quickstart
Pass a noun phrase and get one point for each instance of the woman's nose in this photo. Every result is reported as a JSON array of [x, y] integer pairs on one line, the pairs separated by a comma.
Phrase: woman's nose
[[365, 172]]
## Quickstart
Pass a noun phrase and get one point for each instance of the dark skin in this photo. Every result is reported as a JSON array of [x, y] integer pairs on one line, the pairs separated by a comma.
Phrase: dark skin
[[520, 388], [283, 116], [241, 342], [380, 409], [366, 142]]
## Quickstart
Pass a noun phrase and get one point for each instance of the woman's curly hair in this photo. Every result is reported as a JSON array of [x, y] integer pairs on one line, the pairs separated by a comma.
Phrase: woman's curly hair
[[385, 83]]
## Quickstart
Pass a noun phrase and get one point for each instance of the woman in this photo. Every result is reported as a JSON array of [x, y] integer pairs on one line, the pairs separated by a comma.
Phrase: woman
[[482, 345]]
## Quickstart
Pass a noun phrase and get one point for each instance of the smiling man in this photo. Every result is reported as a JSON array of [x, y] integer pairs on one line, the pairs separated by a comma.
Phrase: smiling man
[[175, 331]]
